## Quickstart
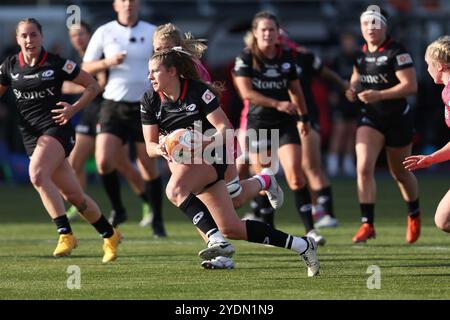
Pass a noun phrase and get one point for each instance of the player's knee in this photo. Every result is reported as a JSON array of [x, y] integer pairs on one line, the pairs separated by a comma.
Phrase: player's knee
[[176, 193], [104, 166], [401, 176], [311, 168], [442, 223], [295, 181], [365, 172], [38, 178]]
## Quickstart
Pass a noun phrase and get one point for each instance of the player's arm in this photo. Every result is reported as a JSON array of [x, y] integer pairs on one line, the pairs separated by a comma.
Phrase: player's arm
[[298, 99], [244, 87], [296, 94], [221, 123], [5, 82], [70, 87], [422, 161], [406, 87], [91, 90], [94, 60], [102, 79], [153, 145], [96, 66], [350, 93]]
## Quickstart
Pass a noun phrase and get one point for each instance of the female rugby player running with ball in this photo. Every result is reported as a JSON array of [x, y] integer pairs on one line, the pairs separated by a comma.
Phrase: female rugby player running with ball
[[176, 87]]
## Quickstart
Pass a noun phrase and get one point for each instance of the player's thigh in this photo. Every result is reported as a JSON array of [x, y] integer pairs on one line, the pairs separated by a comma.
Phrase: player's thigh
[[147, 166], [369, 143], [84, 147], [191, 178], [46, 158], [442, 217]]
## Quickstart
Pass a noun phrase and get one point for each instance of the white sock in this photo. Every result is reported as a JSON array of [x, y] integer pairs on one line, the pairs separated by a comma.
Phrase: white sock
[[299, 245]]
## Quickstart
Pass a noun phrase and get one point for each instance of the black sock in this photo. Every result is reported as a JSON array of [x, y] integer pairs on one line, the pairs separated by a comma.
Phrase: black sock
[[265, 209], [325, 199], [255, 208], [62, 225], [413, 208], [111, 183], [154, 193], [304, 208], [367, 212], [198, 213], [260, 232], [143, 196], [103, 227]]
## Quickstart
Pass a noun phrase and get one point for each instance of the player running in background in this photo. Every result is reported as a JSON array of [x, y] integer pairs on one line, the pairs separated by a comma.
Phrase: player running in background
[[86, 128], [383, 76], [177, 86], [36, 77], [341, 147], [126, 46], [265, 74], [437, 57], [310, 66]]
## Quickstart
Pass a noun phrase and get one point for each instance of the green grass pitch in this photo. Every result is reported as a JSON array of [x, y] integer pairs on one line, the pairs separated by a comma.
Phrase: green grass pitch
[[170, 269]]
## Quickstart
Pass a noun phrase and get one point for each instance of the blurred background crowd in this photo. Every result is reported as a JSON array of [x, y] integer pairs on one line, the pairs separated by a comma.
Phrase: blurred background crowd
[[330, 29]]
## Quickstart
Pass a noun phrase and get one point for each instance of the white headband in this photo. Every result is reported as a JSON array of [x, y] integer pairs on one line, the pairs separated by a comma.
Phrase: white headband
[[375, 15], [181, 50]]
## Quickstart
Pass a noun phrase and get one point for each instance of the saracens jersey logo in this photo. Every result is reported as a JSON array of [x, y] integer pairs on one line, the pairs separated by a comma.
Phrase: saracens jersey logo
[[404, 58], [48, 75], [191, 107], [208, 96], [69, 66]]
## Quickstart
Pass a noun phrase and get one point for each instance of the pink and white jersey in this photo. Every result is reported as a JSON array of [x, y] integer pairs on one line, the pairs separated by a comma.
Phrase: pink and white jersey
[[446, 100]]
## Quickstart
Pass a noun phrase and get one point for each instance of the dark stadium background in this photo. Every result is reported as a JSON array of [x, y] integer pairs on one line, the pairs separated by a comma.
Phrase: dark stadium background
[[314, 24]]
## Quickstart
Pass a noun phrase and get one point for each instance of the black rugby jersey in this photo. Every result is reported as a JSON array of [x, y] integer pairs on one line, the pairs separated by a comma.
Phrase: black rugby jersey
[[308, 66], [377, 71], [272, 80], [196, 101], [37, 89]]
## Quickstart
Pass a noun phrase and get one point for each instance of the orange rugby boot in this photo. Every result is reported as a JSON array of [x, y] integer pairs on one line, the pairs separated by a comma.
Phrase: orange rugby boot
[[365, 232]]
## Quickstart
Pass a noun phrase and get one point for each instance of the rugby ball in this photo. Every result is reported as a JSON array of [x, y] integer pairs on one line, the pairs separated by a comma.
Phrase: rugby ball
[[179, 143]]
